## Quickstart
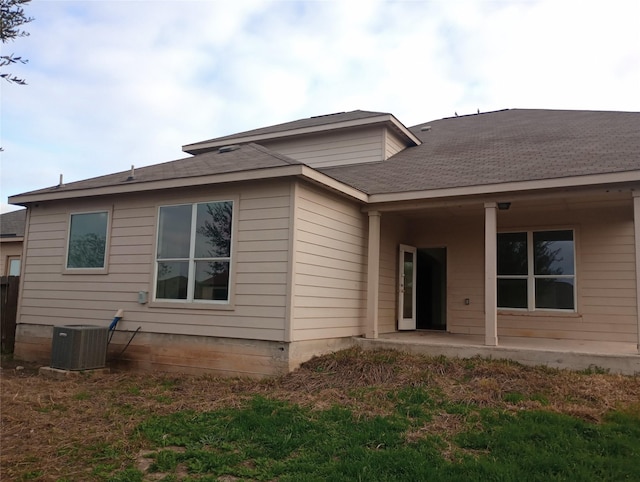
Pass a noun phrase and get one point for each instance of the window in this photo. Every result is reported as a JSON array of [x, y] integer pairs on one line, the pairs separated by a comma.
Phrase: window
[[14, 266], [87, 240], [194, 252], [536, 270]]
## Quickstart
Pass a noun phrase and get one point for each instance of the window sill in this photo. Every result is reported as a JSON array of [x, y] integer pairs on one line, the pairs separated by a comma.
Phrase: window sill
[[540, 313], [77, 271], [191, 306]]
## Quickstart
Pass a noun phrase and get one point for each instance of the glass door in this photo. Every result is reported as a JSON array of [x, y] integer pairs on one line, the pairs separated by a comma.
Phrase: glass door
[[407, 288]]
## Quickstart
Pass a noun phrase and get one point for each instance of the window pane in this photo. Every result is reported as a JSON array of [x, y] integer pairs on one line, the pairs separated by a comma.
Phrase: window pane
[[175, 232], [212, 281], [407, 302], [87, 240], [172, 280], [553, 252], [213, 230], [14, 267], [512, 293], [512, 254], [554, 293]]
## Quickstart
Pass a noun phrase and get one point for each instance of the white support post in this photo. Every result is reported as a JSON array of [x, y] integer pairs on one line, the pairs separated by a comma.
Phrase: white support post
[[490, 275], [373, 275], [636, 223]]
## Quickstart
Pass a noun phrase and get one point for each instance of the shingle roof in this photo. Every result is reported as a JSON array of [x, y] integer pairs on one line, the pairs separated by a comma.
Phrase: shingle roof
[[476, 150], [247, 157], [504, 146], [12, 224], [315, 121]]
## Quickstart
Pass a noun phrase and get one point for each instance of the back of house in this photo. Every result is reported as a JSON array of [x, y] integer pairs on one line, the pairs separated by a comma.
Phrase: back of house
[[267, 247]]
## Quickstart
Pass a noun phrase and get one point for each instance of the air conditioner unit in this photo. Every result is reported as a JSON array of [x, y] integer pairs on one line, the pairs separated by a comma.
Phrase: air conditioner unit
[[79, 347]]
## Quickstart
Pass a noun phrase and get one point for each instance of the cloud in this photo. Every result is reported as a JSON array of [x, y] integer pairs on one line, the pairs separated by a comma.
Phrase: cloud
[[115, 83]]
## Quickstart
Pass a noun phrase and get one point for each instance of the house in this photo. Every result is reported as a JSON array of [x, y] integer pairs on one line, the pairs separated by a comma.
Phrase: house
[[267, 247], [11, 237]]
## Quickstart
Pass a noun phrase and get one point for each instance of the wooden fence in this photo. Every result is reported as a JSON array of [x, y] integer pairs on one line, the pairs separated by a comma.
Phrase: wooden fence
[[8, 308]]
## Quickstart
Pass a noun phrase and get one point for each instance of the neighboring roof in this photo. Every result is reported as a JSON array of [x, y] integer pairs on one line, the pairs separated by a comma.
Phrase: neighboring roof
[[243, 158], [12, 224], [311, 125], [504, 146]]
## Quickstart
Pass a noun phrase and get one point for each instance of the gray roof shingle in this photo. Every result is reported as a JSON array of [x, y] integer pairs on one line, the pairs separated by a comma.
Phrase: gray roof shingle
[[315, 121], [247, 157], [12, 223], [475, 150], [504, 146]]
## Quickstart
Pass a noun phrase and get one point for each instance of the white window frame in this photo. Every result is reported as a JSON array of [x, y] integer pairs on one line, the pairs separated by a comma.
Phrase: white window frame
[[531, 276], [191, 260], [105, 262]]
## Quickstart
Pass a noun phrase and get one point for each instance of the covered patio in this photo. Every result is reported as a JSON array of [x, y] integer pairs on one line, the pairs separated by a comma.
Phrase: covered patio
[[615, 357], [598, 326]]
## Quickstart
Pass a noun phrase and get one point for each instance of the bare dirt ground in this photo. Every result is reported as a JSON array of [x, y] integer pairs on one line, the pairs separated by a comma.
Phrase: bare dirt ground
[[63, 429]]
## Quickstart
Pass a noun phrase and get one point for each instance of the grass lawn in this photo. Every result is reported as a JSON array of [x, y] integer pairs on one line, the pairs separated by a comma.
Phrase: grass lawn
[[353, 415]]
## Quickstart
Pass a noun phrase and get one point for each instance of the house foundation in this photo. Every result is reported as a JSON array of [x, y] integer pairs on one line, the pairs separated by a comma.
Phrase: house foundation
[[151, 352]]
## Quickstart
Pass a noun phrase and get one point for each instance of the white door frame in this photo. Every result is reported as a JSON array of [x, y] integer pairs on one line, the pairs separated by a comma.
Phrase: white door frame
[[406, 314]]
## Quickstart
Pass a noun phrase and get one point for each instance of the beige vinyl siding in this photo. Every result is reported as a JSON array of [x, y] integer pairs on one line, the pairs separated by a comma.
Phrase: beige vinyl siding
[[393, 143], [463, 238], [392, 234], [51, 297], [329, 279], [258, 281], [605, 276], [605, 269], [333, 149]]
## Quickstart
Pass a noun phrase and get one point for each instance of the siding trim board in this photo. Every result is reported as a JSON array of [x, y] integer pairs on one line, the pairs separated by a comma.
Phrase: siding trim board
[[636, 224], [290, 321]]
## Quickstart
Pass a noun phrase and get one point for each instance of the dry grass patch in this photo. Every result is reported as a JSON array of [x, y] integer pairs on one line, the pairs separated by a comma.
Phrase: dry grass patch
[[85, 428]]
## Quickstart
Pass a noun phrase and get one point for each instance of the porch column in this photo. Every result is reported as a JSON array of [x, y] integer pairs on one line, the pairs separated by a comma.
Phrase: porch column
[[490, 275], [373, 275], [636, 224]]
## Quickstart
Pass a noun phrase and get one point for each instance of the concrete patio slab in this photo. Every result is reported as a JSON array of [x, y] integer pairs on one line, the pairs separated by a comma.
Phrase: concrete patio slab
[[613, 357]]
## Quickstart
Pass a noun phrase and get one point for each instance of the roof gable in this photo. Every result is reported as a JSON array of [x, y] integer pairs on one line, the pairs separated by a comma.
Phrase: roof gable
[[309, 126], [504, 146]]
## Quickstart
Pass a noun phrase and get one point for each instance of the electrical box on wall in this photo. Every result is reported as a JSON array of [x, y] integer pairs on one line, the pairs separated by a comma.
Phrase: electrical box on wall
[[79, 347], [143, 297]]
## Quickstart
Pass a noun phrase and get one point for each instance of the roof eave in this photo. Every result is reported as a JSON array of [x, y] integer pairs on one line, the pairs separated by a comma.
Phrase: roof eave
[[11, 239], [298, 170], [265, 173], [326, 181], [204, 146], [627, 177]]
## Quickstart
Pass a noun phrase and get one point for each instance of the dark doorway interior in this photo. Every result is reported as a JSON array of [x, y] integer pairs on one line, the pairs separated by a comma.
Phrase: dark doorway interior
[[431, 289]]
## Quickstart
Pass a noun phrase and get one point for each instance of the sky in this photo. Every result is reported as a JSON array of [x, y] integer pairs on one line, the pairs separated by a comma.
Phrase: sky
[[115, 83]]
